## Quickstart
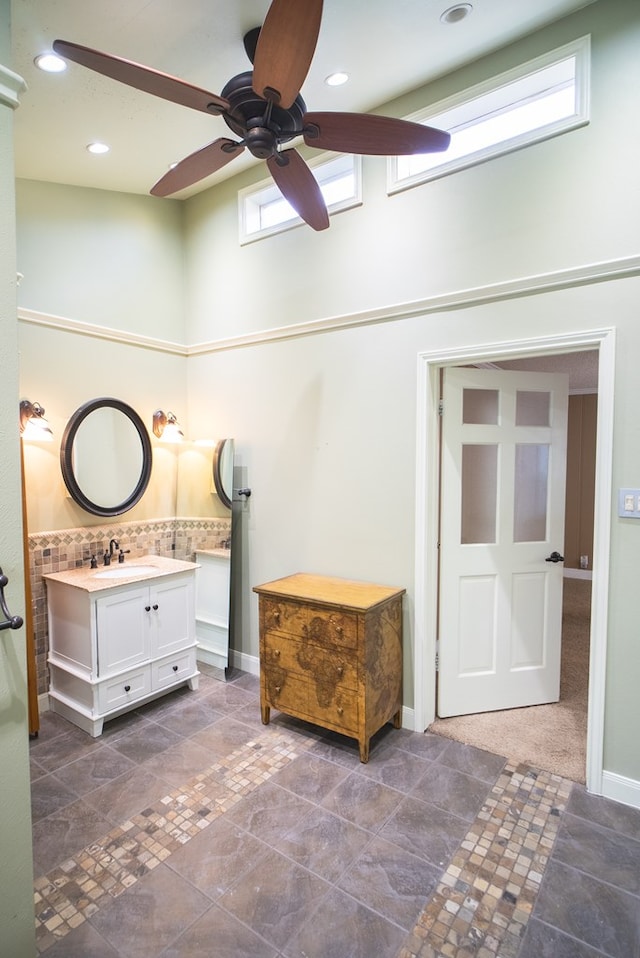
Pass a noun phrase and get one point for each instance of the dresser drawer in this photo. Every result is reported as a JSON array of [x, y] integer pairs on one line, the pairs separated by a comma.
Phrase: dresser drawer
[[285, 690], [318, 624], [127, 688], [328, 665], [340, 710], [174, 668]]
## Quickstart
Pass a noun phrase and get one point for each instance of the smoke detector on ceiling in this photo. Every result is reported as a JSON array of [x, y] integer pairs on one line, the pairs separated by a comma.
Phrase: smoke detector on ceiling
[[456, 13]]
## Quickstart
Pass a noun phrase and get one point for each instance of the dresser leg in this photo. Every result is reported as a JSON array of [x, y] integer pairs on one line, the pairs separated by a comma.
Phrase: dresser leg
[[266, 712], [397, 719], [364, 750]]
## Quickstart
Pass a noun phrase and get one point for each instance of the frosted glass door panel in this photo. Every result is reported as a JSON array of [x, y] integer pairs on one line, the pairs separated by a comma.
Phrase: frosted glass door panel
[[480, 407], [479, 493], [531, 492], [532, 408]]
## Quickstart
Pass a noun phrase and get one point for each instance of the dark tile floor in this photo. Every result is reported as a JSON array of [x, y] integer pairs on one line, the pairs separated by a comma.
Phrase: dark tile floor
[[190, 830]]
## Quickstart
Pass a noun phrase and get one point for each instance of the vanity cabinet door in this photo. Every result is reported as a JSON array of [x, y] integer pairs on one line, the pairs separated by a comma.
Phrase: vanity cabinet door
[[124, 630], [173, 620]]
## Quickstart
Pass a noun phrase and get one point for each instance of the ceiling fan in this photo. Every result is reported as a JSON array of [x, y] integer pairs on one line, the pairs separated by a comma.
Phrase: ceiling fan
[[263, 107]]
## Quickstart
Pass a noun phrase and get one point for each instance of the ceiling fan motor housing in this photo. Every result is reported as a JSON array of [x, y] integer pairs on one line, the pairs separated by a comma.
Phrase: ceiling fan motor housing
[[261, 124]]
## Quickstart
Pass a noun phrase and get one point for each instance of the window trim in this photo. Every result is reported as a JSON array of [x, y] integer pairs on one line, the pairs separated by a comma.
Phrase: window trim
[[580, 49], [250, 192]]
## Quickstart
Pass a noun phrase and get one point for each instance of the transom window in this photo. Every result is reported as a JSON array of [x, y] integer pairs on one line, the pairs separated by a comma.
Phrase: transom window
[[533, 102], [264, 210]]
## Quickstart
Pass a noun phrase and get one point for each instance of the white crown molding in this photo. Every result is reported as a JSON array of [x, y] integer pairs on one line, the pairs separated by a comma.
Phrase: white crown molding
[[11, 87], [447, 302]]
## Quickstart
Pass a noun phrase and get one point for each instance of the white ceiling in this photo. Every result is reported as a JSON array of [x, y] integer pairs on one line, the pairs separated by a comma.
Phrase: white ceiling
[[388, 47]]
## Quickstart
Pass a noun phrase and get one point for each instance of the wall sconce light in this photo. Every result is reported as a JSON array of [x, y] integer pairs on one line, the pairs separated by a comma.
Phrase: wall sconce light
[[33, 426], [166, 427]]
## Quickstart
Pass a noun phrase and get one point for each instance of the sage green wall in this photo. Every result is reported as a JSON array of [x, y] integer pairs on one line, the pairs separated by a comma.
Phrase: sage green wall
[[325, 425], [110, 259], [62, 370], [17, 930]]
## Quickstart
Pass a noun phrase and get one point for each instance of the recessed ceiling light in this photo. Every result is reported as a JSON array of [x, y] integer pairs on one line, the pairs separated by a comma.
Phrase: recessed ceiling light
[[50, 63], [457, 13], [336, 79], [97, 148]]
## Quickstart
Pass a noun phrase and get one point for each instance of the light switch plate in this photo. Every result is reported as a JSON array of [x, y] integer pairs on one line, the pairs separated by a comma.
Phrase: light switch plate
[[629, 503]]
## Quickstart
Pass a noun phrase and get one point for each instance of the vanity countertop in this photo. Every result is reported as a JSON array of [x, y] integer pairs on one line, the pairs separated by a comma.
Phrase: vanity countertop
[[140, 569], [218, 553]]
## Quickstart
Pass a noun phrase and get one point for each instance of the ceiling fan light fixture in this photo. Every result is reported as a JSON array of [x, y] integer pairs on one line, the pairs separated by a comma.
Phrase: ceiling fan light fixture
[[50, 63], [337, 79], [98, 148], [456, 13]]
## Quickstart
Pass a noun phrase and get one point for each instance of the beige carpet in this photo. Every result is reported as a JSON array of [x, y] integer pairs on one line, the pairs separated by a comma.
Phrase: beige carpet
[[550, 737]]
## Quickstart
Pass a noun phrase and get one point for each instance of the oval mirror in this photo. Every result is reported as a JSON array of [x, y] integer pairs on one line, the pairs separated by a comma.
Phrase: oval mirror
[[223, 471], [105, 457]]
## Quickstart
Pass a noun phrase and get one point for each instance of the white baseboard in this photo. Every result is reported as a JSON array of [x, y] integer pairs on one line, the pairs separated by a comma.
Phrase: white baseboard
[[244, 662], [621, 789], [409, 719]]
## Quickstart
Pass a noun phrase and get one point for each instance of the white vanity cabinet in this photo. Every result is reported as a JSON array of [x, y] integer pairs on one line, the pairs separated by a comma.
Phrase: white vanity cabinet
[[114, 644]]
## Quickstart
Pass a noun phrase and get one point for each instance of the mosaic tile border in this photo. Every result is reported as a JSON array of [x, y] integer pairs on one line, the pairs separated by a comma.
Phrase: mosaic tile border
[[485, 898], [74, 891]]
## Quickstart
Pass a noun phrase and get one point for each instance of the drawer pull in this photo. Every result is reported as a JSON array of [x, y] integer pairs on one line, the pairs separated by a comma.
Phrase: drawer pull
[[276, 618], [175, 668], [278, 689], [339, 629], [276, 652], [340, 670], [127, 688], [340, 710]]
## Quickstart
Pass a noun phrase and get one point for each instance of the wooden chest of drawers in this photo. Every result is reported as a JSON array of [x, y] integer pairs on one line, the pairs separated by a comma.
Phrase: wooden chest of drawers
[[331, 653]]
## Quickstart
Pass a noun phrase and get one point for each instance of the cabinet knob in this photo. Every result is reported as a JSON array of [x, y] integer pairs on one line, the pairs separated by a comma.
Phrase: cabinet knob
[[147, 608], [278, 689], [339, 629], [155, 608], [127, 688], [340, 710], [175, 668], [276, 652], [340, 670], [276, 618]]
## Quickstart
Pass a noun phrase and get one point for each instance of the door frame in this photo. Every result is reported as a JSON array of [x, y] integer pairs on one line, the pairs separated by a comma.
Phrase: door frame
[[428, 506]]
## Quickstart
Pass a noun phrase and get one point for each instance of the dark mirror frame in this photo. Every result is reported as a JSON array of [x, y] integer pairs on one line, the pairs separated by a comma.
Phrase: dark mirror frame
[[225, 495], [66, 457]]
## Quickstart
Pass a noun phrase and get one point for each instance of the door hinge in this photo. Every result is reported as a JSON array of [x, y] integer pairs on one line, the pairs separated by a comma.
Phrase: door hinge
[[441, 407], [437, 655]]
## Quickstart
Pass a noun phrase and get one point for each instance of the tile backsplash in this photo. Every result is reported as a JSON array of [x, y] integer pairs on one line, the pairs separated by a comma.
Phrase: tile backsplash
[[72, 548]]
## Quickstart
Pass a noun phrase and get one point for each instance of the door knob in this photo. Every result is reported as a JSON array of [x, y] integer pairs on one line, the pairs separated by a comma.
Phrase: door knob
[[554, 557]]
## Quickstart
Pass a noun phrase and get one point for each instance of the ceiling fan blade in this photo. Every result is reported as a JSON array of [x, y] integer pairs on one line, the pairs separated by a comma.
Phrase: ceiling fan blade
[[143, 78], [250, 40], [371, 135], [298, 185], [285, 49], [197, 165]]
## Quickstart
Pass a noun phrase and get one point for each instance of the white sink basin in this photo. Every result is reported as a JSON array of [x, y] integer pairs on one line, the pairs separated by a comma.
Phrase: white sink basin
[[124, 571]]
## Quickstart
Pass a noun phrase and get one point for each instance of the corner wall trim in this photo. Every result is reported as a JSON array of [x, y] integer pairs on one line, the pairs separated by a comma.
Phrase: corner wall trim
[[11, 86]]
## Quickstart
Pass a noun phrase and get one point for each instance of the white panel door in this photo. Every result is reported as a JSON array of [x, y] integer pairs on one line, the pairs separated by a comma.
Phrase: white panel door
[[502, 527]]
